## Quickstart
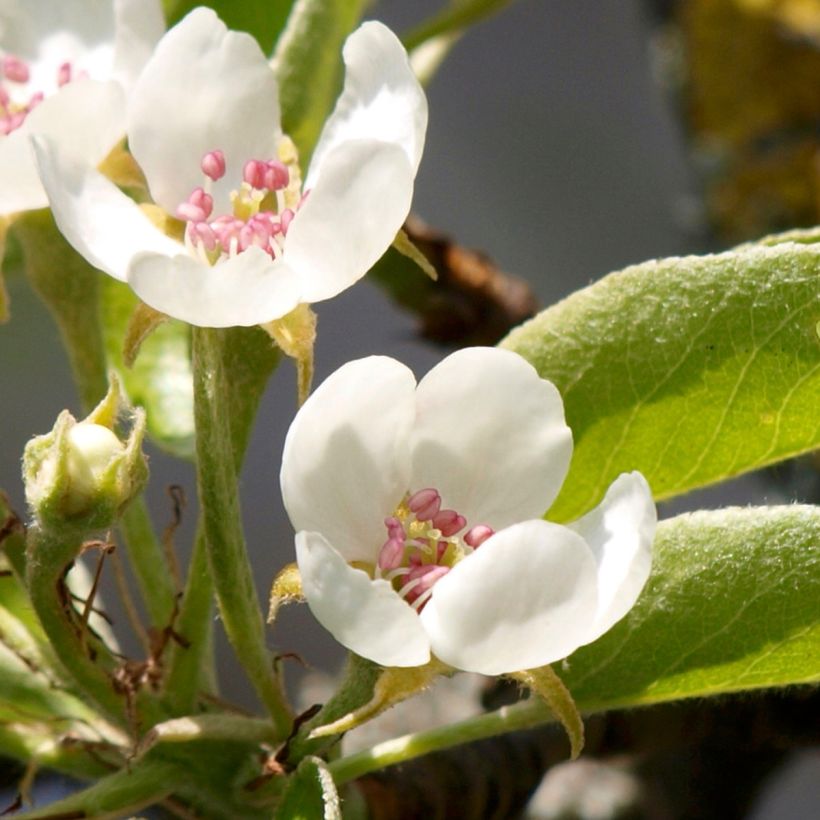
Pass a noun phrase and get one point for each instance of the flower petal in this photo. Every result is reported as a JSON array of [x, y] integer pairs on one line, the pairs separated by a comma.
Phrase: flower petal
[[101, 222], [138, 27], [344, 465], [350, 218], [86, 118], [368, 617], [48, 34], [381, 100], [524, 598], [490, 436], [620, 531], [247, 290], [204, 88]]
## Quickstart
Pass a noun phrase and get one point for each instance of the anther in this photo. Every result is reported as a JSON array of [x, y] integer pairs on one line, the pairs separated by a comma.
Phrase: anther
[[477, 535], [425, 504], [15, 69], [448, 522], [213, 165], [64, 73]]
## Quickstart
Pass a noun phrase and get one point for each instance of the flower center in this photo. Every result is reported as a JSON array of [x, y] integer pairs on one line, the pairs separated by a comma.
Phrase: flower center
[[424, 542], [17, 98], [262, 207]]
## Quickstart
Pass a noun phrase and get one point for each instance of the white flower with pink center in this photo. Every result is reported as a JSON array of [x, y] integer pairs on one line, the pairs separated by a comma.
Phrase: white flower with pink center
[[418, 511], [64, 70], [204, 126]]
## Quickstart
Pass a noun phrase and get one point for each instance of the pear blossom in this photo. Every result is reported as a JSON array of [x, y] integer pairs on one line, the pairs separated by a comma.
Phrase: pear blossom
[[254, 240], [418, 510], [64, 71]]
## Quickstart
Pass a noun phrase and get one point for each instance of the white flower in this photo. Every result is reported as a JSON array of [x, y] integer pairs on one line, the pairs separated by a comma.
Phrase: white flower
[[63, 70], [204, 126], [418, 516]]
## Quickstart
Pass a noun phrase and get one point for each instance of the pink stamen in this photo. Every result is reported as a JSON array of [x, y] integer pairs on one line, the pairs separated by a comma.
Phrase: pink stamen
[[421, 579], [202, 232], [425, 504], [64, 73], [213, 165], [394, 528], [448, 522], [15, 69], [197, 208], [391, 554], [254, 172], [277, 175], [477, 535]]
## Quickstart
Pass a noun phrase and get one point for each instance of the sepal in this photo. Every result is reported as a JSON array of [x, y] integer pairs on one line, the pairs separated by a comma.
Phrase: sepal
[[82, 474]]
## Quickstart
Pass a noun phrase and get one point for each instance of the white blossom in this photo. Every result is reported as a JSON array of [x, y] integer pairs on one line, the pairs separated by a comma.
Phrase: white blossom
[[418, 511], [64, 70], [204, 125]]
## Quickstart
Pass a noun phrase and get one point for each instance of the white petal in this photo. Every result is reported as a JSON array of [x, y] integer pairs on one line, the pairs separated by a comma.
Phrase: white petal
[[524, 598], [139, 24], [368, 617], [344, 465], [381, 100], [350, 218], [205, 88], [47, 34], [86, 118], [101, 222], [247, 290], [620, 531], [490, 436]]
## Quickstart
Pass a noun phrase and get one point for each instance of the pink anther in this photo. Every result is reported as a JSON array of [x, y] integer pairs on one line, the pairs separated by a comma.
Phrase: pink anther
[[34, 101], [448, 522], [202, 233], [395, 529], [254, 172], [425, 503], [391, 554], [15, 69], [197, 208], [422, 577], [277, 175], [64, 74], [477, 535], [213, 165]]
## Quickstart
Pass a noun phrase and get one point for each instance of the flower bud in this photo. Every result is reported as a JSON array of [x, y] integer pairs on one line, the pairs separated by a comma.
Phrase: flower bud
[[81, 474]]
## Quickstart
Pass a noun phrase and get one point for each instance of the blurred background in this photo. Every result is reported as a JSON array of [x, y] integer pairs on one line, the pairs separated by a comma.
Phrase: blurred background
[[553, 147]]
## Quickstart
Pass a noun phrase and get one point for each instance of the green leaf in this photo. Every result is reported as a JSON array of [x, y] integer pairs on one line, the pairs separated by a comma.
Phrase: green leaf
[[731, 605], [690, 370], [308, 66], [311, 794], [161, 379], [265, 19]]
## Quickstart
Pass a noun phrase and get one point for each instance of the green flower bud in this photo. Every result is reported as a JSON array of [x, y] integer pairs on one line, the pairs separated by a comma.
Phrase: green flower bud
[[82, 474]]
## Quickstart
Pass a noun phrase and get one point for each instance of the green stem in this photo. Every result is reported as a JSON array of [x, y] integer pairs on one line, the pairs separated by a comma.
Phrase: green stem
[[219, 503], [190, 664], [452, 19], [522, 715], [148, 561], [119, 795], [48, 556]]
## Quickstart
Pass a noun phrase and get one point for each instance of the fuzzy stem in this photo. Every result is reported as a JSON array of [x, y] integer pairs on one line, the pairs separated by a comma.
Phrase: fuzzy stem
[[523, 715], [221, 520]]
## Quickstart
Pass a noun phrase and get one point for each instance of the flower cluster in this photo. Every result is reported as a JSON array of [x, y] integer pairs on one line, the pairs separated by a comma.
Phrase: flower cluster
[[418, 507]]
